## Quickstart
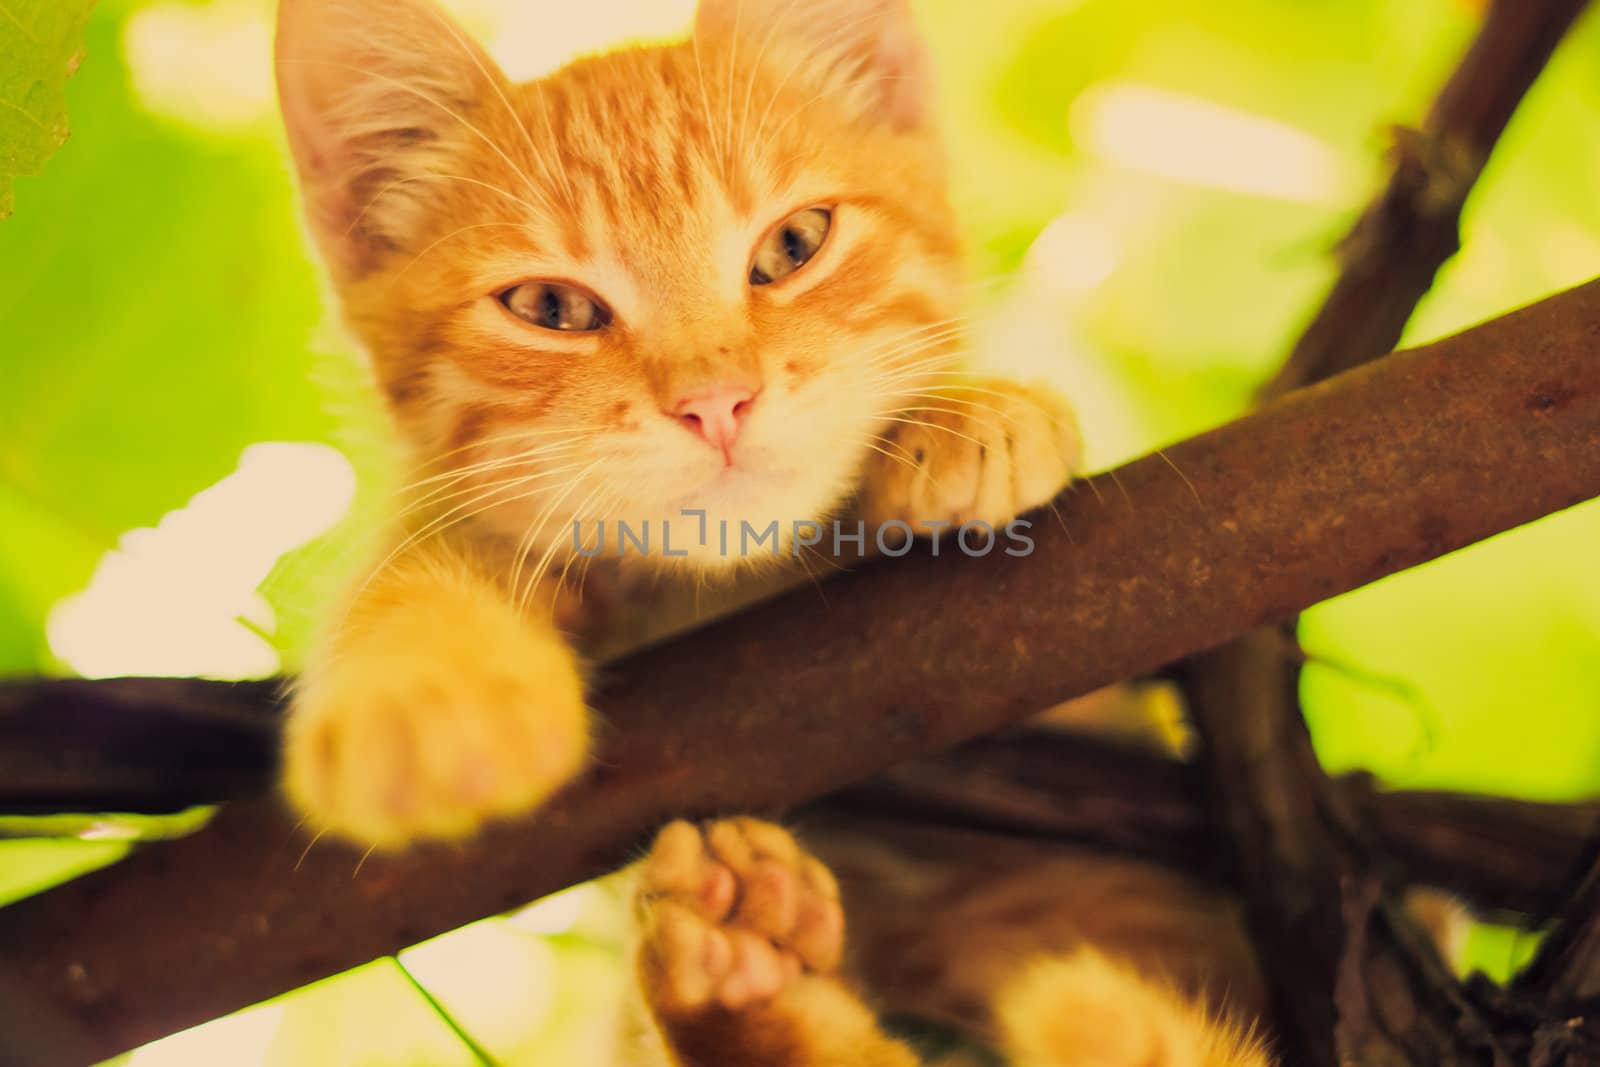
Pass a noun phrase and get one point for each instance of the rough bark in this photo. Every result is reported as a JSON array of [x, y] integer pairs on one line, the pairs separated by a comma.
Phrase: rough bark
[[1567, 967], [1323, 491], [159, 745], [1337, 957], [1515, 859]]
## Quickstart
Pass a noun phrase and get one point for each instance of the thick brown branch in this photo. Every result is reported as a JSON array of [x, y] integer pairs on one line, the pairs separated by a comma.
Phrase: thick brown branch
[[1303, 863], [1287, 832], [1500, 856], [1321, 492], [159, 745], [1567, 968], [152, 745]]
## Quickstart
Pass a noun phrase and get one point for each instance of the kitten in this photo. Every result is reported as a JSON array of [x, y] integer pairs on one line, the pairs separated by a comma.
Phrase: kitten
[[740, 965], [720, 275], [717, 276]]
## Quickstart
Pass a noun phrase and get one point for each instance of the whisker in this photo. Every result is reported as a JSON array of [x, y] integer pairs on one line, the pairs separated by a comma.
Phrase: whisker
[[362, 862], [800, 558], [511, 112], [842, 35], [733, 60], [960, 387], [903, 461], [309, 846], [572, 557], [536, 528], [957, 412], [605, 505], [897, 357], [542, 158], [397, 183], [1012, 417], [568, 188], [913, 362], [457, 233], [433, 458], [518, 479], [453, 518], [458, 474], [1120, 487], [924, 330], [912, 463], [436, 474], [1168, 461], [524, 599], [1061, 520], [826, 560], [912, 365], [429, 99], [935, 426], [755, 67], [832, 91], [885, 356], [705, 103]]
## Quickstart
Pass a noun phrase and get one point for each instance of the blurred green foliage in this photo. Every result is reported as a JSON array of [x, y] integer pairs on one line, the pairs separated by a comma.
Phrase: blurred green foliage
[[43, 45], [159, 313]]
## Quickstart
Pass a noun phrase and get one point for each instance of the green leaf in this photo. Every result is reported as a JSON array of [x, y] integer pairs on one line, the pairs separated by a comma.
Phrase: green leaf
[[152, 327], [41, 45]]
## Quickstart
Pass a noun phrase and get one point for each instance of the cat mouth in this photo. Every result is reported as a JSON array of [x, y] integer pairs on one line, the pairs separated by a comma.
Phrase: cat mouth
[[737, 484], [730, 484]]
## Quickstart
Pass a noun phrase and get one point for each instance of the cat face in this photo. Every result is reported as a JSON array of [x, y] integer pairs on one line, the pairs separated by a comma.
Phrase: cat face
[[696, 276]]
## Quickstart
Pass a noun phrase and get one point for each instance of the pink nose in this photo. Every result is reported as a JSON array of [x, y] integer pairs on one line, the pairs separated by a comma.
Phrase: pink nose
[[717, 415]]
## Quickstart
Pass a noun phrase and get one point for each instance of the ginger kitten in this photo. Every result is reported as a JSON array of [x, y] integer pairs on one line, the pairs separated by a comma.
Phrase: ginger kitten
[[740, 966], [719, 276]]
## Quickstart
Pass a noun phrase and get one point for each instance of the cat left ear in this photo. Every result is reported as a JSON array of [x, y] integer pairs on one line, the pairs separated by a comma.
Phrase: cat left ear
[[873, 47], [378, 98]]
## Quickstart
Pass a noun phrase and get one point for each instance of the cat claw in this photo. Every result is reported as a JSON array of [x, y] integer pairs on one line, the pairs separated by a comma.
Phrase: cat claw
[[979, 453]]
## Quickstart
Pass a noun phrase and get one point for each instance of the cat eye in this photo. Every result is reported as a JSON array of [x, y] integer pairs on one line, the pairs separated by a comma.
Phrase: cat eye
[[554, 306], [791, 246]]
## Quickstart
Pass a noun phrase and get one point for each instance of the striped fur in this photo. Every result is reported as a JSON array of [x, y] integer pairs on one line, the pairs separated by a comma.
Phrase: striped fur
[[449, 688]]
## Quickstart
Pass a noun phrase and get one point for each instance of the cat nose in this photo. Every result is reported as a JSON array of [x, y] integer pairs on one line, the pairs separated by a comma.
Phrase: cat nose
[[717, 415]]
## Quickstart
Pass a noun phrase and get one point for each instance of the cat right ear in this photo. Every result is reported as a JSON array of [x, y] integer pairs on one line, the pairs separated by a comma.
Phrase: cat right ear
[[378, 98], [872, 48]]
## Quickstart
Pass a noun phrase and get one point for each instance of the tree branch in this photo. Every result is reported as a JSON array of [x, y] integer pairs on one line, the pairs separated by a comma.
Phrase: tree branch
[[1515, 858], [1330, 949], [1391, 256], [160, 745], [150, 745], [1321, 492], [1567, 966]]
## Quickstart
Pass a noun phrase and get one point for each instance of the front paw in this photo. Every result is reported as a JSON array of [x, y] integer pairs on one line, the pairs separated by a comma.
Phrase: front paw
[[734, 913], [984, 451], [427, 732]]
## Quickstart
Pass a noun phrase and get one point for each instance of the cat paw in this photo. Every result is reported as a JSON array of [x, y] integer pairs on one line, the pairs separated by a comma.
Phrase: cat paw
[[984, 451], [429, 737], [1084, 1010], [734, 913]]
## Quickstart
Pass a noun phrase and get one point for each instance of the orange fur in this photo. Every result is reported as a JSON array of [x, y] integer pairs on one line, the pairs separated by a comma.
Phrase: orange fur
[[1086, 1010], [647, 182], [640, 191], [943, 918], [743, 937], [648, 175]]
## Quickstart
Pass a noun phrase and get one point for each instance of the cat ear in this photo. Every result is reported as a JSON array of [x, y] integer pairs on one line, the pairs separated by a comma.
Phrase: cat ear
[[377, 95], [872, 46]]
